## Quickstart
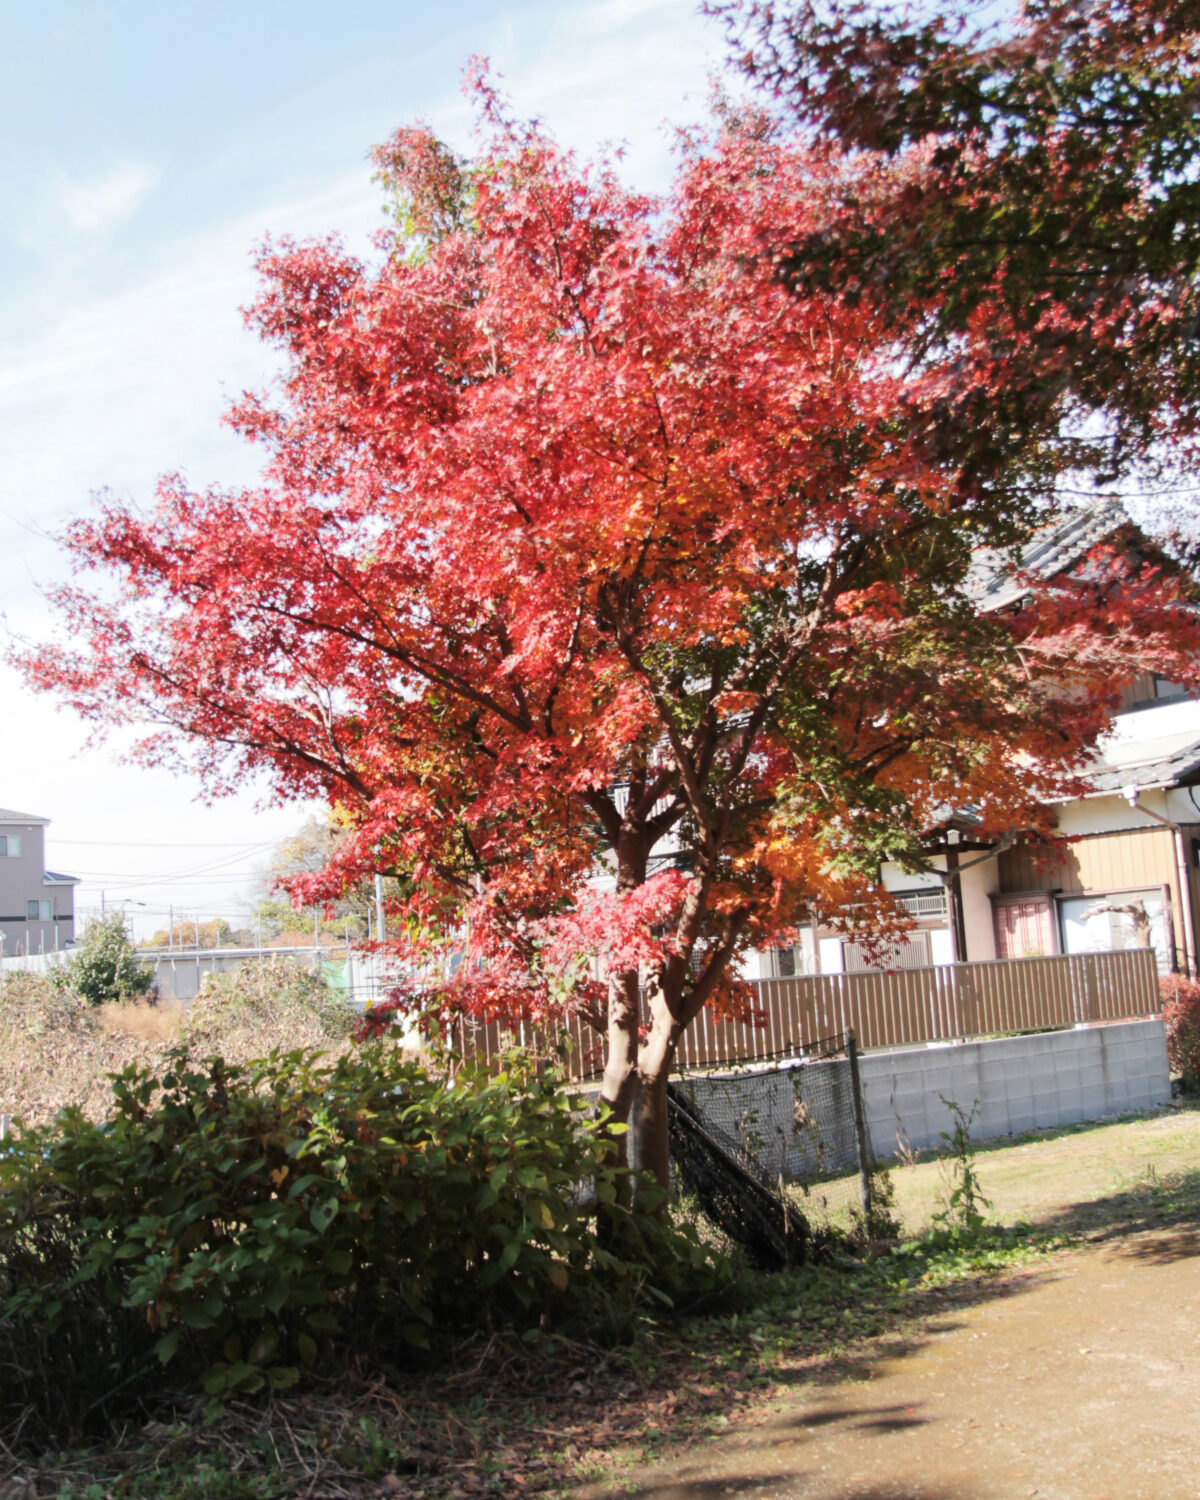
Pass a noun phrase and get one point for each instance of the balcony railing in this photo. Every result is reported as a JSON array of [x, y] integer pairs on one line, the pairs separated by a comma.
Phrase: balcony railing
[[930, 903]]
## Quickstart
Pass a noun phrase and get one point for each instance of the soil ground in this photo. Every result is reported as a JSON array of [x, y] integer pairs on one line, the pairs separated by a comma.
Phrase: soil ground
[[1059, 1360], [1078, 1379]]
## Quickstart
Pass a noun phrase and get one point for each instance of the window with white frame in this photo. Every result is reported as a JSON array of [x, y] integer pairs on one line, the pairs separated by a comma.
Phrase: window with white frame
[[789, 960], [10, 845], [39, 911], [1125, 919]]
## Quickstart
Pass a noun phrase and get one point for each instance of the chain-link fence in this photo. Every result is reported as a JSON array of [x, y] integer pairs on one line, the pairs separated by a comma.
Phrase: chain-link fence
[[792, 1126]]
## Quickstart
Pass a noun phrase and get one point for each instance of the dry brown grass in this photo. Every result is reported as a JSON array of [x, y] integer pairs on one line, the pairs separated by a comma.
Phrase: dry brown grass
[[156, 1024], [57, 1051], [248, 1012]]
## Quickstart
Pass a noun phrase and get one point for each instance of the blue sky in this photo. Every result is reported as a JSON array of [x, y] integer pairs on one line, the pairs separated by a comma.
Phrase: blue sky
[[144, 149]]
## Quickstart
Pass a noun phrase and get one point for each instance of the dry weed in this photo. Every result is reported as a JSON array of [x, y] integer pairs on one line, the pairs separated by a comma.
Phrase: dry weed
[[57, 1051], [158, 1024], [54, 1051], [250, 1011]]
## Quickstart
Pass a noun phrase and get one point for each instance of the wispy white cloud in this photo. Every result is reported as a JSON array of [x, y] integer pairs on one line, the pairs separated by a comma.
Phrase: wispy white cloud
[[610, 74], [94, 205], [112, 377]]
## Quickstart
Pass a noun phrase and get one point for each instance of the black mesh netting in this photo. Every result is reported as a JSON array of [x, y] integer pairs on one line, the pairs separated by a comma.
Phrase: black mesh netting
[[788, 1130], [772, 1232]]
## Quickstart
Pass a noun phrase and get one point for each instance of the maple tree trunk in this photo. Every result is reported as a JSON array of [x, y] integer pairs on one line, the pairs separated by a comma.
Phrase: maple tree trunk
[[620, 1083], [654, 1067], [638, 1074]]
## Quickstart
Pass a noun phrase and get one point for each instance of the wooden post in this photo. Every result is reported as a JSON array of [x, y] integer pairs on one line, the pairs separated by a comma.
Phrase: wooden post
[[860, 1132]]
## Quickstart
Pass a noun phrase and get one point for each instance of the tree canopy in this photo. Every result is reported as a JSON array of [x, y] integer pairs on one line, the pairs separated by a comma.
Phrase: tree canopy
[[1034, 184], [306, 852], [590, 543]]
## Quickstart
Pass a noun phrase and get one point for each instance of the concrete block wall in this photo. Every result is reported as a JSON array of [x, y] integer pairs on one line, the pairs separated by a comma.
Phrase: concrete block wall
[[1021, 1082]]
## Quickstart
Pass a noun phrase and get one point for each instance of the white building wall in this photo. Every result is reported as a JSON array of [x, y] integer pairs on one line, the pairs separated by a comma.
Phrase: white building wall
[[1168, 719], [831, 956], [896, 879], [1182, 803], [978, 882], [1111, 814]]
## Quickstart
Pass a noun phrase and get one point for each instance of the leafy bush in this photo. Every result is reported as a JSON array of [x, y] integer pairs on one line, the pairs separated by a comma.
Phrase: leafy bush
[[1181, 1016], [243, 1225], [106, 966]]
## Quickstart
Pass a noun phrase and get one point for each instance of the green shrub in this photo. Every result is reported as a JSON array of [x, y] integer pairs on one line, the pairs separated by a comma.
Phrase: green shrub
[[242, 1226], [1181, 1017], [106, 966]]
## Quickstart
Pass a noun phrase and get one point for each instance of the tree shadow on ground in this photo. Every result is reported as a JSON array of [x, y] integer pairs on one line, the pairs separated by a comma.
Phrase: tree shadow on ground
[[687, 1486], [1166, 1206], [1165, 1247], [928, 1313], [873, 1418]]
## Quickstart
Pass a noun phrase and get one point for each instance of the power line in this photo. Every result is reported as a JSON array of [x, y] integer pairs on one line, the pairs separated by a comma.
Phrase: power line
[[172, 844], [127, 880]]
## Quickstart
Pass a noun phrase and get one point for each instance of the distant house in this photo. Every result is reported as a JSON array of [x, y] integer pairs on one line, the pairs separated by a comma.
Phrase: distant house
[[37, 906], [1128, 876], [1129, 873]]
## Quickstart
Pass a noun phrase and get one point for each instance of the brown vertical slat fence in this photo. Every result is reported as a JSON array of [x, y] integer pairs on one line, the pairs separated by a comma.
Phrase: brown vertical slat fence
[[949, 1002]]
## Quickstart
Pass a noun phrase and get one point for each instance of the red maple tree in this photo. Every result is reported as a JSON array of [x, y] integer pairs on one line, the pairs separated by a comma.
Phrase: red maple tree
[[610, 590]]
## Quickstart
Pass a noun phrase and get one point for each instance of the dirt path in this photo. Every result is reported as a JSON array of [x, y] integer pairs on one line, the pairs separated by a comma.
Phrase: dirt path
[[1080, 1381]]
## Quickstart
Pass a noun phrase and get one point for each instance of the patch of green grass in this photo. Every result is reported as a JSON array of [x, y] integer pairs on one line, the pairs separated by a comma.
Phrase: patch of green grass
[[202, 1480], [1044, 1173]]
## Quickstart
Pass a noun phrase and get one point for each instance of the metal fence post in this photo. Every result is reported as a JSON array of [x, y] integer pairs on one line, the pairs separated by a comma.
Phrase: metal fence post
[[860, 1132]]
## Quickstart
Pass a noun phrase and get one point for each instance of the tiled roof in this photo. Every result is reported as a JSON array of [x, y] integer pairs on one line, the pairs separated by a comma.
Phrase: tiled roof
[[1054, 549], [7, 815], [1168, 770], [52, 877]]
